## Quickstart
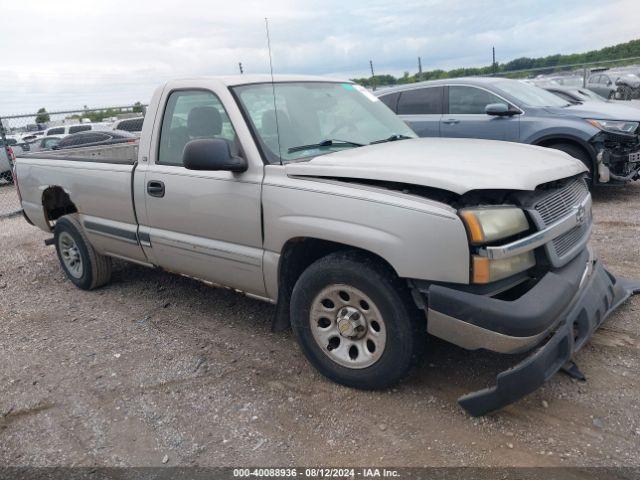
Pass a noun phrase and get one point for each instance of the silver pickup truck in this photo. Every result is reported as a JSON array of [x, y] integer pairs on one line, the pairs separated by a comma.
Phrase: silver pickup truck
[[311, 194]]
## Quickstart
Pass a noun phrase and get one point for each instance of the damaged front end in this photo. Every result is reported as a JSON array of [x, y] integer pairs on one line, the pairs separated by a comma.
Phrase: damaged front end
[[550, 309], [618, 157]]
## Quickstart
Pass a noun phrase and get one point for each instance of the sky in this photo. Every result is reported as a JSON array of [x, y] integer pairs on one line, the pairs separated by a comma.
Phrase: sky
[[65, 54]]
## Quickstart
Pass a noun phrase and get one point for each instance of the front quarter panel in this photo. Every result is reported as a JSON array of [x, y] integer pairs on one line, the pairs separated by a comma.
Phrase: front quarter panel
[[419, 238], [536, 127]]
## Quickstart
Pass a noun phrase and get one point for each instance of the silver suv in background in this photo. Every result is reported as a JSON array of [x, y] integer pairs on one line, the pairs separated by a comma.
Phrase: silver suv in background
[[603, 136]]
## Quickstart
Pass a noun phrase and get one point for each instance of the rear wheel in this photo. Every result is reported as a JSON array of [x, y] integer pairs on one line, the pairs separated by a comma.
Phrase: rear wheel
[[356, 322], [85, 267], [579, 154]]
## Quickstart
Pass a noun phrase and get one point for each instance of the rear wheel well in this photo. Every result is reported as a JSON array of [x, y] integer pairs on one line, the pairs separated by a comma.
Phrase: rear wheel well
[[298, 254], [56, 203]]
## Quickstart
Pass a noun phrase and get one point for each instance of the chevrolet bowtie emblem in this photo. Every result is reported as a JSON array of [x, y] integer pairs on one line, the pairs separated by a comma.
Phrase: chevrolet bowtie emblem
[[581, 215]]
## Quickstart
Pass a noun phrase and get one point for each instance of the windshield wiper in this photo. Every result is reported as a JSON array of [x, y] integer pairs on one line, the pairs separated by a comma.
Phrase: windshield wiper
[[392, 138], [324, 143]]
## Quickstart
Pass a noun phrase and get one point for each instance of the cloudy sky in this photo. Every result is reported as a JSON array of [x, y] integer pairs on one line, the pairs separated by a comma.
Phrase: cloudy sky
[[70, 53]]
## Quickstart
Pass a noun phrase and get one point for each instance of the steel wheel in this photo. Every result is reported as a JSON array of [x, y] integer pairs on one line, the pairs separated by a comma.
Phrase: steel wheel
[[70, 255], [347, 326]]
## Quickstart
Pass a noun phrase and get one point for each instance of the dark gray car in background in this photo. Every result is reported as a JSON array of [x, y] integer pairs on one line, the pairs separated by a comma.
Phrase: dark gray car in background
[[604, 136]]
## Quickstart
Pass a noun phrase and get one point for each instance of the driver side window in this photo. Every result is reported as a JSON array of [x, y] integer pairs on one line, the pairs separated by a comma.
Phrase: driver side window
[[191, 115]]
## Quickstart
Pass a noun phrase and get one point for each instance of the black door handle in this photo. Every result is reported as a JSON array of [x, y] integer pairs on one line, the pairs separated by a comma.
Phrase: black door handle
[[155, 188]]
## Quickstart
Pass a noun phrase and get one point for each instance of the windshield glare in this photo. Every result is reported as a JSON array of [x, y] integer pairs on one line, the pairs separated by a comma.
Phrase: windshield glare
[[529, 95], [307, 113]]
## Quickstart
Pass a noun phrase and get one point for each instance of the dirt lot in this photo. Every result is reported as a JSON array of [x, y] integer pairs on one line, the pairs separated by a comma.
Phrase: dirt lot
[[157, 367]]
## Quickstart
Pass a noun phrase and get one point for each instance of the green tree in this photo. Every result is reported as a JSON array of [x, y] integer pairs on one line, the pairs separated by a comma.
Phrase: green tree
[[137, 107], [548, 64], [42, 116]]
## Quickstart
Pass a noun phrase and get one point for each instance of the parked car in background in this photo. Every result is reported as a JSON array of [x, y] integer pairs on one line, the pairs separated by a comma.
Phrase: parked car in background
[[606, 139], [6, 163], [574, 95], [75, 128], [622, 86], [33, 135], [45, 143], [95, 138], [562, 80], [132, 125]]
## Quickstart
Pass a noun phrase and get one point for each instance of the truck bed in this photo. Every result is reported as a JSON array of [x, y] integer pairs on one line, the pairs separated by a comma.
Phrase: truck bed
[[125, 153], [98, 182]]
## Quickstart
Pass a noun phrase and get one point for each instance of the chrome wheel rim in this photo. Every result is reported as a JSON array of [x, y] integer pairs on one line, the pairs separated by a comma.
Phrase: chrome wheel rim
[[347, 326], [70, 255]]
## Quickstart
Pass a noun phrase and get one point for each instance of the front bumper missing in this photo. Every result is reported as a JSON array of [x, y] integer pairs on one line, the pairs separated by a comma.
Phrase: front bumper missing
[[601, 295]]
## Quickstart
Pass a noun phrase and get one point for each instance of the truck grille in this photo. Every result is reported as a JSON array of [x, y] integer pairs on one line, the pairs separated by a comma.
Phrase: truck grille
[[560, 203], [556, 204]]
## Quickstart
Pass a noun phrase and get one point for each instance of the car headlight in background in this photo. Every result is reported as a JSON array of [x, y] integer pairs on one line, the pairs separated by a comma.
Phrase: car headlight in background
[[615, 126], [488, 224]]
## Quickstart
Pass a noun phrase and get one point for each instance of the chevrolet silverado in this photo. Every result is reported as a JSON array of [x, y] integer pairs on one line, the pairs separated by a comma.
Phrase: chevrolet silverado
[[311, 194]]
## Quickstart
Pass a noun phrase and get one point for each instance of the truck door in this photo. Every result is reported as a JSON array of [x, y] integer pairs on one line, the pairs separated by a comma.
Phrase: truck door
[[466, 117], [205, 224]]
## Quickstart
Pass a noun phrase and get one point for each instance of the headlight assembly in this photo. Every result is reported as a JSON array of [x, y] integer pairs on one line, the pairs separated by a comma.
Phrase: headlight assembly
[[485, 270], [616, 126], [488, 224]]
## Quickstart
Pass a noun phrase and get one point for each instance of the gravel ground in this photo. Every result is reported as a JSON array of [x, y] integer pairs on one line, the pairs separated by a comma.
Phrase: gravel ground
[[156, 367], [9, 202]]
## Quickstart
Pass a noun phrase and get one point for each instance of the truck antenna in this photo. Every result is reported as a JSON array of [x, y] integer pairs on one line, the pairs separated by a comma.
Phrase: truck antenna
[[273, 87]]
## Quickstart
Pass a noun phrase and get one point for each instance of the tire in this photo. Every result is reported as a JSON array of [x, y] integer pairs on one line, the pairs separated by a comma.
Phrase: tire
[[72, 247], [579, 154], [398, 342]]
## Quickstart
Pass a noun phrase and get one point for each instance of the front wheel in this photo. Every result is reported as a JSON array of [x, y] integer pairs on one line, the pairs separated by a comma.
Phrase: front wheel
[[356, 321]]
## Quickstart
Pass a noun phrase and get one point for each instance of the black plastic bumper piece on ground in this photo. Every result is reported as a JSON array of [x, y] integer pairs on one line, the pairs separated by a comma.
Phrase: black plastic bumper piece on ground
[[602, 294]]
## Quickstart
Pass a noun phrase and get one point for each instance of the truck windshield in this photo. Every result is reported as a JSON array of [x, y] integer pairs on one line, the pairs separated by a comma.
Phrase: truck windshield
[[307, 119], [529, 95]]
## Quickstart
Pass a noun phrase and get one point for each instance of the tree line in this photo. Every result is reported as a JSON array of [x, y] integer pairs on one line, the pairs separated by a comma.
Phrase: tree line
[[552, 62]]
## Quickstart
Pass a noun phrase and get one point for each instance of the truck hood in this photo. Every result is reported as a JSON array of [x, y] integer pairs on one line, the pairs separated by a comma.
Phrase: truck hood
[[601, 111], [455, 165]]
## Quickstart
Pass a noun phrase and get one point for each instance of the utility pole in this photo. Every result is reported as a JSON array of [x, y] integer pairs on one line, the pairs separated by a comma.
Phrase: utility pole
[[240, 67], [373, 75], [493, 64], [419, 68]]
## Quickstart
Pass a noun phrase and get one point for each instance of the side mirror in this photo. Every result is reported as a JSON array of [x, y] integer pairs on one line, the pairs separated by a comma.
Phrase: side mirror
[[211, 154], [498, 109]]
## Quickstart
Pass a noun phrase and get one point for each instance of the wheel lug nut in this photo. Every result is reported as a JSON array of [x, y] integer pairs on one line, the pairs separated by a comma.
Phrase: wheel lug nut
[[355, 316], [344, 312]]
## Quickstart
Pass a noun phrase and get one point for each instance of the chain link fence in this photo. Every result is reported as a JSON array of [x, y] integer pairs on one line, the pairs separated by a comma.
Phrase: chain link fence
[[42, 131]]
